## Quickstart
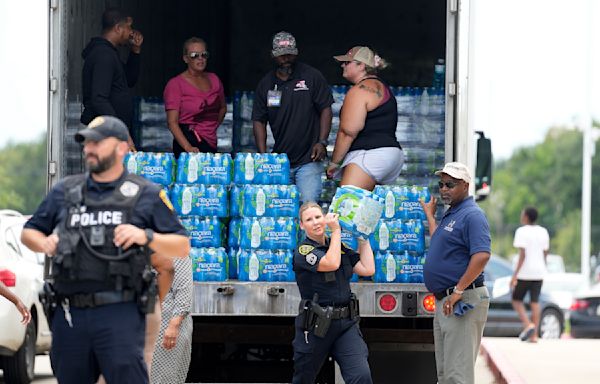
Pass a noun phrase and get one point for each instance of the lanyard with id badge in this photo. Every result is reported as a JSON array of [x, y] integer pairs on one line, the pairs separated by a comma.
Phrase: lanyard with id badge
[[274, 97]]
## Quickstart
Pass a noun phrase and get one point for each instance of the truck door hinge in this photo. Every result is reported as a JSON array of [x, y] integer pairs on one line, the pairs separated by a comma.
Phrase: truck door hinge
[[53, 84], [451, 89], [52, 168], [53, 4], [453, 6]]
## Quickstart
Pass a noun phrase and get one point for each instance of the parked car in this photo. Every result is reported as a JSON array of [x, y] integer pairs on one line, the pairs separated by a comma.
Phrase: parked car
[[554, 263], [562, 287], [502, 318], [585, 313], [21, 270]]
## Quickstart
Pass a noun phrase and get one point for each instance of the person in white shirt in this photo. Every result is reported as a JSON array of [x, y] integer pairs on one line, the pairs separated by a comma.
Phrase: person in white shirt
[[533, 243]]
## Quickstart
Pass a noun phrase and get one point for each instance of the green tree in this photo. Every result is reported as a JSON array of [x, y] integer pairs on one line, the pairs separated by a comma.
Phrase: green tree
[[23, 175]]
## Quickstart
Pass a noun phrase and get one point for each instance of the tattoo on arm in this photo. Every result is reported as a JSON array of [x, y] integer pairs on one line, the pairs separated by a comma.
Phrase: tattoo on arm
[[372, 90]]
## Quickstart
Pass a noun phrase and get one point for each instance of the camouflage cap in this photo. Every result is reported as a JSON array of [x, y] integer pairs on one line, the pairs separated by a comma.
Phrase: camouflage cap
[[284, 44]]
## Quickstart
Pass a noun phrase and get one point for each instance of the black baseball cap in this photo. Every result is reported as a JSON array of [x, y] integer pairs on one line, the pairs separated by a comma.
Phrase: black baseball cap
[[103, 127]]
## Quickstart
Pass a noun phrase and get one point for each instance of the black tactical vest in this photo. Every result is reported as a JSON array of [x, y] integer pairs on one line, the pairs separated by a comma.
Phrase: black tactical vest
[[86, 255]]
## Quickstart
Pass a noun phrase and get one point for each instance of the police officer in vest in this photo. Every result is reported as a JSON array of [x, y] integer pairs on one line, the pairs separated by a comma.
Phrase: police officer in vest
[[100, 229], [328, 318]]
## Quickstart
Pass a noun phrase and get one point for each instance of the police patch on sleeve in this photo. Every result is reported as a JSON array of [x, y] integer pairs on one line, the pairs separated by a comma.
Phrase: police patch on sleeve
[[163, 196], [311, 258], [305, 249]]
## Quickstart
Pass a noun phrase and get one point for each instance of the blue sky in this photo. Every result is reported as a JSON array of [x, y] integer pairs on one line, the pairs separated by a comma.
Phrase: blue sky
[[533, 68]]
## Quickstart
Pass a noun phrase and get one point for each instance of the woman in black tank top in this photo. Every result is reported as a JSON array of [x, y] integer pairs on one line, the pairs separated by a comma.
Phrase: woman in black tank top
[[366, 151]]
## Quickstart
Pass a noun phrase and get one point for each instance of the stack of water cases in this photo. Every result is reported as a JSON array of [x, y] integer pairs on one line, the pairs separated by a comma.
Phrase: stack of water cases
[[421, 131], [151, 131], [157, 167], [200, 197], [72, 161], [399, 238], [243, 132], [263, 229]]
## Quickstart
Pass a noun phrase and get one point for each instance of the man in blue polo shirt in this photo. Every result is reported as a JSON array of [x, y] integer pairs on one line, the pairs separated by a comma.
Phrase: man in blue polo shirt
[[459, 250]]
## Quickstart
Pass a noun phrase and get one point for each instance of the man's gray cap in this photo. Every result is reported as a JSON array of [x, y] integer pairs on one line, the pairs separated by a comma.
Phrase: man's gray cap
[[102, 127], [284, 44]]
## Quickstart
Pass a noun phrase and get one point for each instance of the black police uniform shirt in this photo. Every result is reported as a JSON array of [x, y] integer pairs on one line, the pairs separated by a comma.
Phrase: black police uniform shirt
[[152, 210], [295, 123], [333, 287]]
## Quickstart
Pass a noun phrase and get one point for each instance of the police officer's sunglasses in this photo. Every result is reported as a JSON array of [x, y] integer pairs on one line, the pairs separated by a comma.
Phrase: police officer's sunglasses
[[448, 184], [195, 55]]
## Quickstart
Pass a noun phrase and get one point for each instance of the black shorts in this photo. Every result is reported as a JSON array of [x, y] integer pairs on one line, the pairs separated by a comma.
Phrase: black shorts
[[534, 287], [203, 146]]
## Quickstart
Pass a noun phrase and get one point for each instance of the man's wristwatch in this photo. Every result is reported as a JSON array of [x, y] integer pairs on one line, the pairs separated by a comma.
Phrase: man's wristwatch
[[458, 291], [323, 143], [149, 235]]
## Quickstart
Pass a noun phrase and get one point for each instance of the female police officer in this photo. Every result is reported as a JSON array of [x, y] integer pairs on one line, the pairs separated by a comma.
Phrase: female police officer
[[328, 319]]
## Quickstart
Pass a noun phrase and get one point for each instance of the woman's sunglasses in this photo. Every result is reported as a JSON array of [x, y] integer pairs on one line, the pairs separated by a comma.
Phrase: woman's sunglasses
[[195, 55]]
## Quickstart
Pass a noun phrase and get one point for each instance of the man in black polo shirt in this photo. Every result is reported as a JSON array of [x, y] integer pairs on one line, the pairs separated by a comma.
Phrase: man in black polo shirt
[[295, 100]]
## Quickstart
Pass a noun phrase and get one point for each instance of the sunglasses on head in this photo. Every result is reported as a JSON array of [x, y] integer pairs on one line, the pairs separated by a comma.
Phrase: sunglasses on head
[[195, 55], [448, 184]]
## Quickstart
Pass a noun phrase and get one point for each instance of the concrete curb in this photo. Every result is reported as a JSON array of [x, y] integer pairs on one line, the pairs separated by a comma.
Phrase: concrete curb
[[497, 362]]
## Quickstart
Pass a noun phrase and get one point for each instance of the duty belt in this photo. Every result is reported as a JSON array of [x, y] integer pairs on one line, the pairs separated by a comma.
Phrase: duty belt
[[340, 313], [91, 300], [448, 292]]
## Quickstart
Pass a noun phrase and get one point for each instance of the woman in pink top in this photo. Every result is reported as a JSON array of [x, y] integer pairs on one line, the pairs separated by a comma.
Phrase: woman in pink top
[[195, 102]]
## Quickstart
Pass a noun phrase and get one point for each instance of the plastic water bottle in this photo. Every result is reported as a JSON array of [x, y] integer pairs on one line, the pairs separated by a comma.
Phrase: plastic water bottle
[[244, 106], [186, 201], [192, 174], [384, 236], [132, 166], [425, 102], [390, 266], [253, 266], [404, 261], [439, 74], [249, 167], [255, 234], [260, 202], [379, 276], [233, 240], [390, 203], [235, 201]]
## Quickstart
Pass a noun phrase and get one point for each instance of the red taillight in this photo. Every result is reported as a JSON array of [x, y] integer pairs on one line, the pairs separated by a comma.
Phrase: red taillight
[[8, 277], [388, 302], [429, 303], [579, 305]]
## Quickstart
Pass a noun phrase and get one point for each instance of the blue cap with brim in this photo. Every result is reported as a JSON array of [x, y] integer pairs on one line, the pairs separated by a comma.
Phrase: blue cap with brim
[[101, 128]]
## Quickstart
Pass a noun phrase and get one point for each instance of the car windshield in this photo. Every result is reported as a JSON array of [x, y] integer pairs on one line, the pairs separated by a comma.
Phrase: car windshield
[[496, 268]]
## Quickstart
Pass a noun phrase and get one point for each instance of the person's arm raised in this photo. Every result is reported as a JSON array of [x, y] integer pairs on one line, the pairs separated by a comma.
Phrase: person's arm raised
[[332, 259]]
